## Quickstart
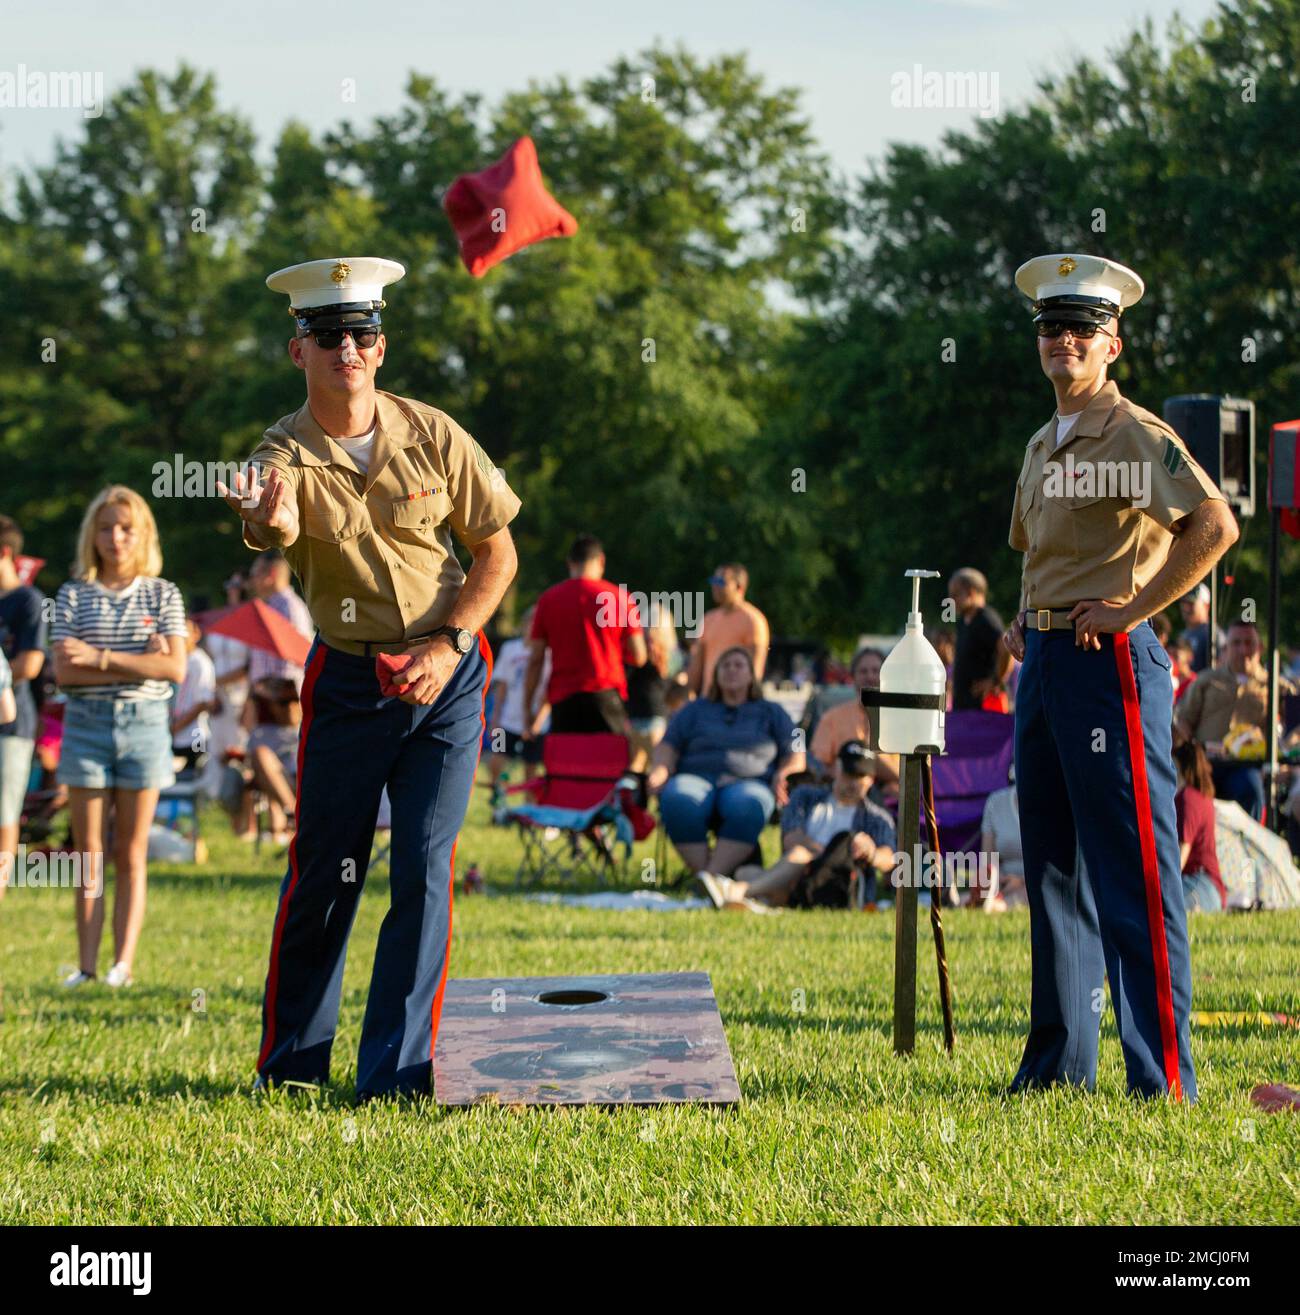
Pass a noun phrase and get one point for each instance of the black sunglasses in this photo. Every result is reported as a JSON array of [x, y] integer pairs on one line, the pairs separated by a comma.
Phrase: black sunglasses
[[329, 339], [1054, 329]]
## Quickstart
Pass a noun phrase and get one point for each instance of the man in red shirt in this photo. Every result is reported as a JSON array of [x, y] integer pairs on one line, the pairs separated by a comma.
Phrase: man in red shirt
[[590, 626]]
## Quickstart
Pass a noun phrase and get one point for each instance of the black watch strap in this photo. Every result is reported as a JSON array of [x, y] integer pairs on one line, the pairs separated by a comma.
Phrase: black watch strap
[[461, 640]]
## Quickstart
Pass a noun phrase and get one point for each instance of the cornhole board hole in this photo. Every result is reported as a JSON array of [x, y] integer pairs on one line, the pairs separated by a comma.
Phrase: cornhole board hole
[[634, 1039]]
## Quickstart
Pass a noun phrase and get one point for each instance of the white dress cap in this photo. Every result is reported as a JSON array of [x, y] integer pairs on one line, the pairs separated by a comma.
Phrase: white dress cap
[[335, 282], [1074, 275]]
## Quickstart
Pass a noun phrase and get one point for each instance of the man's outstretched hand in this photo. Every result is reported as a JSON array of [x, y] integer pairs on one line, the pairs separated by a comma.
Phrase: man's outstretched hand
[[268, 506]]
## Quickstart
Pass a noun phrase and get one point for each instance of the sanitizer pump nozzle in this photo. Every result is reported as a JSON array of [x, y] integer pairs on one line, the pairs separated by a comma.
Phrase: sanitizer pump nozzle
[[914, 616]]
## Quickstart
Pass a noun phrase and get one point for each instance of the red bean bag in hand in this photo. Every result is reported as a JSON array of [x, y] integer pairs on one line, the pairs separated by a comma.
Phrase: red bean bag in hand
[[503, 209], [389, 665]]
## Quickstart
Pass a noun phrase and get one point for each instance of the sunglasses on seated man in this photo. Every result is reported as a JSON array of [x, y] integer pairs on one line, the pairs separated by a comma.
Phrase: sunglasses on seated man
[[329, 339], [1055, 328]]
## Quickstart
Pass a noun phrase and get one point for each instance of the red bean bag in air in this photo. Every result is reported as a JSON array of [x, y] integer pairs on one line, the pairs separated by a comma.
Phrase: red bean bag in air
[[504, 208]]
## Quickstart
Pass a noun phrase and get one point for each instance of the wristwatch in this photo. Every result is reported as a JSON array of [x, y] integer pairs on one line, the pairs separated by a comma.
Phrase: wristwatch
[[461, 640]]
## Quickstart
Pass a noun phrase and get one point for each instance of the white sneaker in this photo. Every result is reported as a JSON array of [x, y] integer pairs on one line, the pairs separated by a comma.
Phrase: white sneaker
[[78, 978], [714, 886], [118, 975]]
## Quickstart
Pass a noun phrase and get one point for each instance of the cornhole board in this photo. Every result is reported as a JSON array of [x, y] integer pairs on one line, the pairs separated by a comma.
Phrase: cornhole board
[[625, 1039]]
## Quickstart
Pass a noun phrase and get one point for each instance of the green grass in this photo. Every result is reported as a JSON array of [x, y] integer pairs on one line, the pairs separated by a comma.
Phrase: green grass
[[131, 1107]]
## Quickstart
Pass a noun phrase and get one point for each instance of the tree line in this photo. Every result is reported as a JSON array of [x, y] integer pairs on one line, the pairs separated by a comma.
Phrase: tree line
[[742, 355]]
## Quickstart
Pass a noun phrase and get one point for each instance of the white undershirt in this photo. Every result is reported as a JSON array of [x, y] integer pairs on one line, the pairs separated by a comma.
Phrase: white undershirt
[[359, 449], [829, 818], [1064, 424]]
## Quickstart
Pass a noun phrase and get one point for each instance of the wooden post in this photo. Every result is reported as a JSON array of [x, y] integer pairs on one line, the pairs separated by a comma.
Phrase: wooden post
[[909, 827]]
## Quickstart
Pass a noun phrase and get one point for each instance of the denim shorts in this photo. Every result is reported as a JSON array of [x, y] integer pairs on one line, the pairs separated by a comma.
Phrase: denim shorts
[[117, 743], [282, 741]]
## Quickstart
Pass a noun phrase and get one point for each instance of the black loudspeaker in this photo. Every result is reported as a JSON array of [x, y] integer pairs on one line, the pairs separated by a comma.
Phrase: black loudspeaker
[[1220, 435], [1284, 467]]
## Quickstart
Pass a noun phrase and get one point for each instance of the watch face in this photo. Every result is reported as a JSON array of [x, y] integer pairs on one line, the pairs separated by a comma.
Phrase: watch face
[[464, 640]]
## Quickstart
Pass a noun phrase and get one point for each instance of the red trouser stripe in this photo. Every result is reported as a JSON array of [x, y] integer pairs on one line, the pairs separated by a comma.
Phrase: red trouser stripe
[[1150, 867], [273, 975], [485, 648]]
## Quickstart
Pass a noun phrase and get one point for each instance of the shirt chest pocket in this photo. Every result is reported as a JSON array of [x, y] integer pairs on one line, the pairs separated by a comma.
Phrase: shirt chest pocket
[[417, 516], [1095, 525], [333, 522]]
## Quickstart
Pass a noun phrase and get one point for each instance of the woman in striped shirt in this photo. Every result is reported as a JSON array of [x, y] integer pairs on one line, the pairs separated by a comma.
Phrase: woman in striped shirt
[[119, 645]]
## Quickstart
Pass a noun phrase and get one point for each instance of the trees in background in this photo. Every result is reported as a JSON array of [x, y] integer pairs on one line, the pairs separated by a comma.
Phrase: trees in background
[[737, 357], [920, 379]]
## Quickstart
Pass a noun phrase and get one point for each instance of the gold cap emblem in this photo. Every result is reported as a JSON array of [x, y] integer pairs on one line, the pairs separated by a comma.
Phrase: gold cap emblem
[[1066, 267], [342, 269]]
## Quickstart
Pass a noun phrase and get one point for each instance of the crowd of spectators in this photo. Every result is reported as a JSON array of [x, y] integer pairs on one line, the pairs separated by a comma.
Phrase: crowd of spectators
[[124, 691]]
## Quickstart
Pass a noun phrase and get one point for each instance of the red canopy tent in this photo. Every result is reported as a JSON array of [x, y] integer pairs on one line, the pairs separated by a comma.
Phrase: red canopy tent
[[261, 626]]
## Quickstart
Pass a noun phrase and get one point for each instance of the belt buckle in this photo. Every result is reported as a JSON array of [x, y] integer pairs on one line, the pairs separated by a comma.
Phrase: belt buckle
[[1044, 618]]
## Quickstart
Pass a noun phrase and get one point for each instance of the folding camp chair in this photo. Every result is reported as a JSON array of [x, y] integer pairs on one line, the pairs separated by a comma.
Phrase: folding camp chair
[[179, 804], [574, 816], [976, 759]]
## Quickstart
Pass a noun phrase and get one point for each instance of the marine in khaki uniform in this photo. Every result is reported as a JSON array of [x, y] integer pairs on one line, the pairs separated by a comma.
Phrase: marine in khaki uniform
[[364, 492], [1116, 521]]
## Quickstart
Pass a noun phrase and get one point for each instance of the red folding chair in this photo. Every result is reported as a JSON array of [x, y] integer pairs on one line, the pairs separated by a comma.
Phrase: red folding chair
[[570, 824]]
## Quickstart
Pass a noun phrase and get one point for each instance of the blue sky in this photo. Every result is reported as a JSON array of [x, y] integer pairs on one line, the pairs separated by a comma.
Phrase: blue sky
[[274, 60]]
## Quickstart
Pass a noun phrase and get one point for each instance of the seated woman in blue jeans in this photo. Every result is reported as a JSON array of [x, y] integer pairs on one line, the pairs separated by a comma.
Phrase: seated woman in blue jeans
[[723, 764]]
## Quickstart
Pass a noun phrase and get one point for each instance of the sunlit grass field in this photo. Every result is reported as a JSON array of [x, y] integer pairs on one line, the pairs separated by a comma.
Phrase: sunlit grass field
[[135, 1106]]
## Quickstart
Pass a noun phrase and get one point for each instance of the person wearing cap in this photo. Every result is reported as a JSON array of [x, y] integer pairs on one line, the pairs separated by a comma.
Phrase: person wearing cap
[[1115, 521], [827, 833], [363, 492]]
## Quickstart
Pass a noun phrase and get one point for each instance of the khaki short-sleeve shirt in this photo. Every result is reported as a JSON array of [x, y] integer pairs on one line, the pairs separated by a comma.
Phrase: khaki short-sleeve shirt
[[1094, 516], [1216, 701], [374, 552]]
